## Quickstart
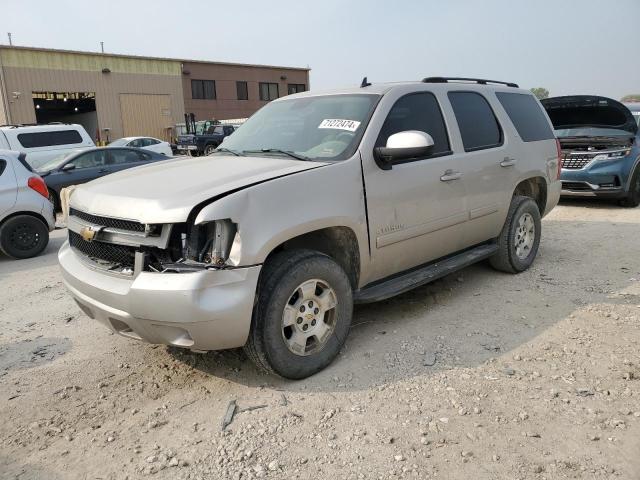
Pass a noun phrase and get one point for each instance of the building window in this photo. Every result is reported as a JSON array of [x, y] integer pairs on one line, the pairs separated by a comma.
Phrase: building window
[[203, 89], [243, 92], [268, 91], [296, 88]]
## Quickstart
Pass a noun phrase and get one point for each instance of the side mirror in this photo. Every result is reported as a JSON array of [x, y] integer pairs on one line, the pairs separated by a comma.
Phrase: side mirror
[[403, 146], [68, 167]]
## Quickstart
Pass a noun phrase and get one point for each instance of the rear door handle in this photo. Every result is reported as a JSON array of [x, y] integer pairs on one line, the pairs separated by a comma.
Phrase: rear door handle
[[508, 162], [450, 175]]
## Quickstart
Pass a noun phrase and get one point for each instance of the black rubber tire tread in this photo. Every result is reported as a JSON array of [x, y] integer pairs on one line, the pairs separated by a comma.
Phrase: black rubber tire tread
[[213, 146], [632, 199], [506, 260], [55, 199], [280, 266], [5, 230]]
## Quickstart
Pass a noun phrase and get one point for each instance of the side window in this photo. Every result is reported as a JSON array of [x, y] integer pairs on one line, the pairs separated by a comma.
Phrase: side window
[[477, 122], [137, 143], [218, 129], [228, 130], [527, 116], [150, 141], [90, 159], [119, 157], [417, 111], [49, 139], [3, 165]]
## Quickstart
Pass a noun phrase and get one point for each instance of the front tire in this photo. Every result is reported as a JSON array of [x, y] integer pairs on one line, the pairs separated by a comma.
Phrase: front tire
[[302, 316], [23, 236], [520, 237], [633, 196]]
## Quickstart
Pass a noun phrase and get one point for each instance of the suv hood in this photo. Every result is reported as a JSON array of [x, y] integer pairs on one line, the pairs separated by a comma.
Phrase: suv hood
[[589, 111], [166, 192]]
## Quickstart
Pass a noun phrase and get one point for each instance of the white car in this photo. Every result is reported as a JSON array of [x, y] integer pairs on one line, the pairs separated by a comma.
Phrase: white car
[[148, 143], [26, 214], [42, 143]]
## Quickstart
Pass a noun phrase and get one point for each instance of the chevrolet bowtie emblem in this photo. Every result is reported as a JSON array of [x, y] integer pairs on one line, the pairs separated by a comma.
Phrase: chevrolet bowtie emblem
[[88, 234]]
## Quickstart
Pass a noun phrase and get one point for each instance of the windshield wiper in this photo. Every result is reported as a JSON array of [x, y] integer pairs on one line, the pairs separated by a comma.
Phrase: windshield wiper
[[277, 150], [227, 150]]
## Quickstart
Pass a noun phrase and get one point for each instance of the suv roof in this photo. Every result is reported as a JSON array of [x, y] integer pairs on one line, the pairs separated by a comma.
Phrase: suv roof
[[437, 83], [40, 126]]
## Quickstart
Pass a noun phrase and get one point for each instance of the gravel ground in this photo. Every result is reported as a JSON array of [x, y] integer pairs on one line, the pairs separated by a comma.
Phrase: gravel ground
[[480, 375]]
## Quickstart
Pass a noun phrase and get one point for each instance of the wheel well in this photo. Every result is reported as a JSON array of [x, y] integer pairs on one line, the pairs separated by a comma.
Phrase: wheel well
[[536, 188], [340, 243], [31, 214]]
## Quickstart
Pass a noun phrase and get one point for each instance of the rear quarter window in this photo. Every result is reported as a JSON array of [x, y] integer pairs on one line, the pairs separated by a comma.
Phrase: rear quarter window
[[3, 166], [527, 116], [49, 139], [478, 125]]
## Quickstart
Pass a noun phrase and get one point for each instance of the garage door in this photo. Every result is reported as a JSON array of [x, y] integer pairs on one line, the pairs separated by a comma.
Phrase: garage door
[[145, 115]]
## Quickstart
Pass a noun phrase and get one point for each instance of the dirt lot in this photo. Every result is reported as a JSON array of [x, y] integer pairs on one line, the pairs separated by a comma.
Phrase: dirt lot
[[481, 375]]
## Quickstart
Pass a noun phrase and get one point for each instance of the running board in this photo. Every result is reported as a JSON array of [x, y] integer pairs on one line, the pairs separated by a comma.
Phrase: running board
[[422, 275]]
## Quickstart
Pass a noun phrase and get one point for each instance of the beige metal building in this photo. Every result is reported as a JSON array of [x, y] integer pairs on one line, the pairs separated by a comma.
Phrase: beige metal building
[[118, 95]]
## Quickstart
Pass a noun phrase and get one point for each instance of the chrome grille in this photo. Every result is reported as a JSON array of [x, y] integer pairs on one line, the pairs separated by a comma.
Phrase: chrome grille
[[575, 162], [108, 222], [107, 252]]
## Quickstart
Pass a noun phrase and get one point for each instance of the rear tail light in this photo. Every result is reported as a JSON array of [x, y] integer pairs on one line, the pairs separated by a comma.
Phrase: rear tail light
[[37, 183], [559, 148]]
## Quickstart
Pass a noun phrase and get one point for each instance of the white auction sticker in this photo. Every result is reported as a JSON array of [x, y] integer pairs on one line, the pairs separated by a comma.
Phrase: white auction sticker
[[349, 125]]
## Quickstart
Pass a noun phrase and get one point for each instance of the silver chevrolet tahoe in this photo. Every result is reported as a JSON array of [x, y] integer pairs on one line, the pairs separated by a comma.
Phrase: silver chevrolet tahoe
[[319, 201]]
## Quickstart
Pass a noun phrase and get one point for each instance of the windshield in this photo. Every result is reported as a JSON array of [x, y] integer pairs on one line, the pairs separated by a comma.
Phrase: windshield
[[590, 132], [121, 142], [55, 162], [315, 128]]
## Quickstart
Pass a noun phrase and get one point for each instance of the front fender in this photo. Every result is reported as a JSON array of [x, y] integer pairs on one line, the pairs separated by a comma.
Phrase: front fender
[[278, 210]]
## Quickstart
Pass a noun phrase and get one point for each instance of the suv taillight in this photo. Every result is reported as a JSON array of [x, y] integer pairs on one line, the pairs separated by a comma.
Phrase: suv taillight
[[37, 183], [559, 148]]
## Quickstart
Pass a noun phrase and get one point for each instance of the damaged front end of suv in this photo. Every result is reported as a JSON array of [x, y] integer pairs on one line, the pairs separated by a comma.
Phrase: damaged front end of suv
[[600, 151]]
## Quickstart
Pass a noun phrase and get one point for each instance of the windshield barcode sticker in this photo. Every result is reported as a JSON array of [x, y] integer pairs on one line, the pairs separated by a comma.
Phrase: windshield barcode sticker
[[349, 125]]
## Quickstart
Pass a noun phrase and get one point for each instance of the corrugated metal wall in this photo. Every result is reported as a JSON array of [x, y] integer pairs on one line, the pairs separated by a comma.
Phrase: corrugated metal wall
[[108, 87], [147, 115]]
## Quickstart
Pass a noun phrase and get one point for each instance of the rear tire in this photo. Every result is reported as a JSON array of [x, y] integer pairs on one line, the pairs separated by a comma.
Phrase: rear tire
[[23, 236], [208, 150], [302, 315], [520, 237], [633, 196]]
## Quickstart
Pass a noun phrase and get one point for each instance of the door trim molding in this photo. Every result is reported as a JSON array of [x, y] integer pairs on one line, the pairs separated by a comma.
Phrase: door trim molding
[[422, 229]]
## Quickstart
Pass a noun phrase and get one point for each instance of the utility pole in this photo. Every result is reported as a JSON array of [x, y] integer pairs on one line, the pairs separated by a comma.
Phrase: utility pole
[[102, 46], [10, 42]]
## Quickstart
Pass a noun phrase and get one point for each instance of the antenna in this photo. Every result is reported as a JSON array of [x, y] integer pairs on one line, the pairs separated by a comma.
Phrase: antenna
[[10, 41], [364, 83], [102, 46]]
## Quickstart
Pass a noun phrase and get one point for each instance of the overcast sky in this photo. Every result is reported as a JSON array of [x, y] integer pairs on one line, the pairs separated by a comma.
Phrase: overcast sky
[[569, 46]]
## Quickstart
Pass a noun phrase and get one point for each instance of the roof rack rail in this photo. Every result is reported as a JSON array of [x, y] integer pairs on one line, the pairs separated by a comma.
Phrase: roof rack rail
[[480, 81]]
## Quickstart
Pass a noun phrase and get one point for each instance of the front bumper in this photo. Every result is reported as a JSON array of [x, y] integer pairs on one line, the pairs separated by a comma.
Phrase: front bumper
[[207, 310], [598, 179]]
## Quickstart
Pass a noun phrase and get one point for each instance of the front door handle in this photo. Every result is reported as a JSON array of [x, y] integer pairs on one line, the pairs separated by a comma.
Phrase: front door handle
[[103, 170], [508, 162], [450, 175]]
